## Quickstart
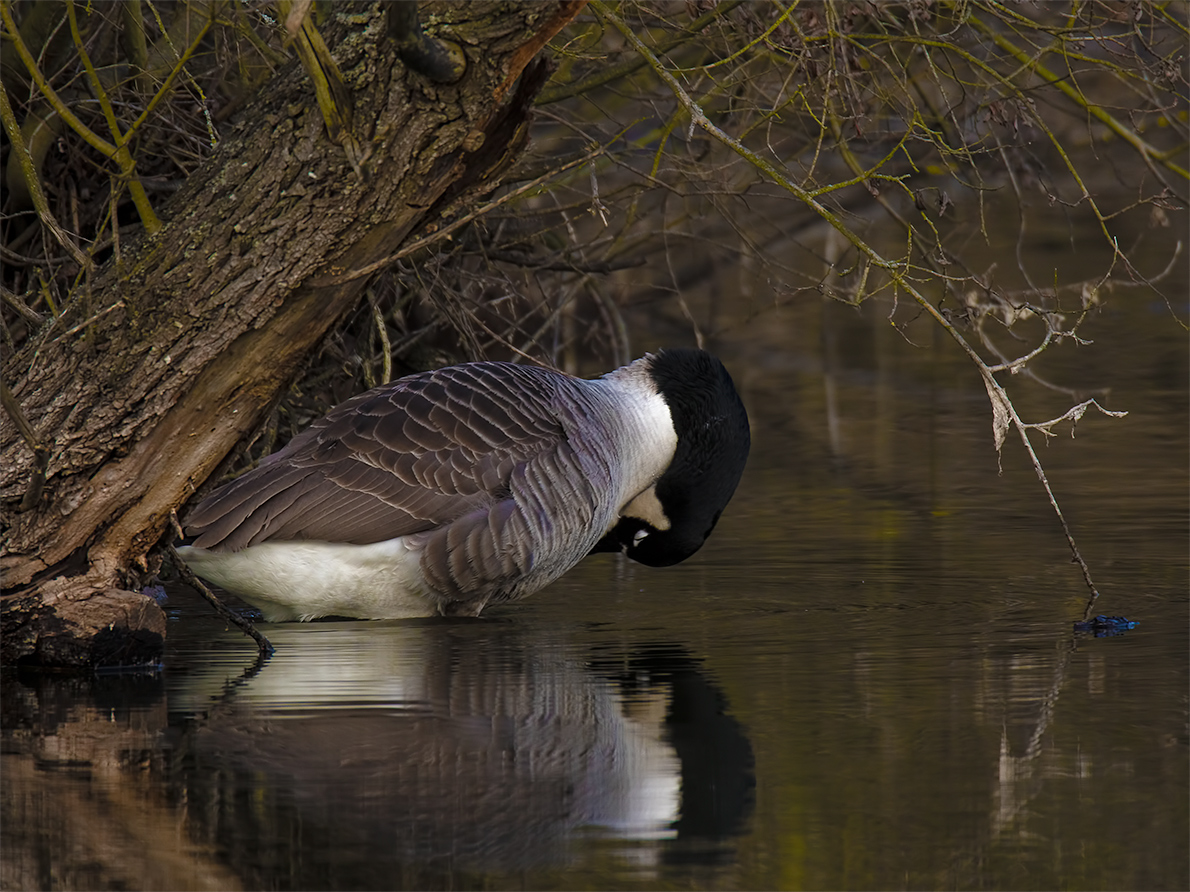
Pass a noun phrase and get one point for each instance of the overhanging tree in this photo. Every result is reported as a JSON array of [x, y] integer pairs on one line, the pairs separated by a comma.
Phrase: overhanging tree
[[175, 347]]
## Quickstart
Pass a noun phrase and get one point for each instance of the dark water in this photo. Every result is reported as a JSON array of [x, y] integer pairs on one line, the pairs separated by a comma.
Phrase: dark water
[[867, 679]]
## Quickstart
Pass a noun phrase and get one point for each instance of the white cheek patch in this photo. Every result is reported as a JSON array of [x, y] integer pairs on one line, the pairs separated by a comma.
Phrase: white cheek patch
[[647, 507]]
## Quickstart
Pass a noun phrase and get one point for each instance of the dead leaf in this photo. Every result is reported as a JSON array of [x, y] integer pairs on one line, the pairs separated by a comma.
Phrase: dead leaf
[[999, 414]]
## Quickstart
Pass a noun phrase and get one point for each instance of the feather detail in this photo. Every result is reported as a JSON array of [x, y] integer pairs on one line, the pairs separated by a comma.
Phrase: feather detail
[[500, 477], [450, 490]]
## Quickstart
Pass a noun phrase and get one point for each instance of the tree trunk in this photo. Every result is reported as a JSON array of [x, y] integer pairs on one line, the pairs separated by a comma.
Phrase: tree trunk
[[185, 341]]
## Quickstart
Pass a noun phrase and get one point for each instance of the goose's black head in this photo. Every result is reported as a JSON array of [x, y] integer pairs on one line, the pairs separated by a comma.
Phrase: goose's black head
[[712, 447]]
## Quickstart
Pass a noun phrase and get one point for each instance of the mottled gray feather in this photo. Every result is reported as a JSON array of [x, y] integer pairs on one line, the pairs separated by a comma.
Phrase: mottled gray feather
[[473, 456]]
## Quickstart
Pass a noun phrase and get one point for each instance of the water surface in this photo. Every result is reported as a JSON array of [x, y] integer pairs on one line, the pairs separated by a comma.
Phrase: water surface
[[867, 679]]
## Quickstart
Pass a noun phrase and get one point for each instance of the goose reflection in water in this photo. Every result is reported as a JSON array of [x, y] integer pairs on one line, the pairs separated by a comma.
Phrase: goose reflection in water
[[361, 748]]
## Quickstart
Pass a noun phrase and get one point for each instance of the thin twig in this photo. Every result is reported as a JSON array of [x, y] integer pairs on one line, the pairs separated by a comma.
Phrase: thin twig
[[41, 452], [43, 86], [609, 73], [464, 220], [386, 347], [33, 181], [1144, 149], [262, 643], [122, 156], [117, 305]]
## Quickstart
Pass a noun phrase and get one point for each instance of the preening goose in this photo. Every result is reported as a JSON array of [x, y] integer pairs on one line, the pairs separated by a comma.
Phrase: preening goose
[[449, 490]]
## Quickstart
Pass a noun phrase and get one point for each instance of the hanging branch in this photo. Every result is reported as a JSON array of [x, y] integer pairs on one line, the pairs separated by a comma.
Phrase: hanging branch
[[1003, 412], [122, 156], [33, 181]]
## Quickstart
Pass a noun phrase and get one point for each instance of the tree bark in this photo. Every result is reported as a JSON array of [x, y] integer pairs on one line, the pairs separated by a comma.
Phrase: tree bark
[[182, 344]]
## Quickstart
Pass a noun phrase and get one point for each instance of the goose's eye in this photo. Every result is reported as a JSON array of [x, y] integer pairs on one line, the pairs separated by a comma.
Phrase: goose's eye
[[638, 536]]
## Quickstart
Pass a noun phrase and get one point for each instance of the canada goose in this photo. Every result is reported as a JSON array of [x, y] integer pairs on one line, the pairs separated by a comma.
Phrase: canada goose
[[449, 490]]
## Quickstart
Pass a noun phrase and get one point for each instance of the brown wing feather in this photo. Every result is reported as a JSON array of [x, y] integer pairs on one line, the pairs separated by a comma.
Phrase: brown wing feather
[[400, 459]]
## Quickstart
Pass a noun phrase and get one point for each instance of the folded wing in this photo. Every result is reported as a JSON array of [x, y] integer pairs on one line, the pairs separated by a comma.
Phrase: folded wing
[[408, 457]]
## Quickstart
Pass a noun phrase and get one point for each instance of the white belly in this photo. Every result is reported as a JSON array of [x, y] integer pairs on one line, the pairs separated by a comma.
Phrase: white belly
[[305, 580]]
